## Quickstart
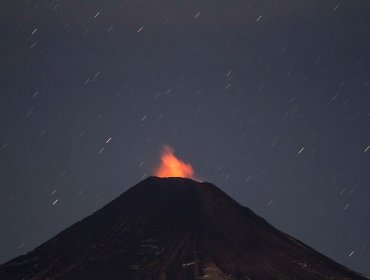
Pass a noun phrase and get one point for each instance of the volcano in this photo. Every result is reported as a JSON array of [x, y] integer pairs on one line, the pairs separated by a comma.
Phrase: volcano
[[173, 228]]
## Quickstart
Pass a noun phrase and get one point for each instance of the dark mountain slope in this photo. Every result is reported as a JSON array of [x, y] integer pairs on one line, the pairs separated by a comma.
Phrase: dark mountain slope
[[173, 228]]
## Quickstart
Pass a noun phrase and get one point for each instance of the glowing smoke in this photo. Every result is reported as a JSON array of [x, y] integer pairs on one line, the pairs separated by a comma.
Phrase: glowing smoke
[[171, 166]]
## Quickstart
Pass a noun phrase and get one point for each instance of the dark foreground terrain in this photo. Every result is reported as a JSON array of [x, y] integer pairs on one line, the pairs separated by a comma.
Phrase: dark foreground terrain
[[173, 228]]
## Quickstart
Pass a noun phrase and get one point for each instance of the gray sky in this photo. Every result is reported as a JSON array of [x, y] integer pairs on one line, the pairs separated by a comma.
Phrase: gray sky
[[269, 100]]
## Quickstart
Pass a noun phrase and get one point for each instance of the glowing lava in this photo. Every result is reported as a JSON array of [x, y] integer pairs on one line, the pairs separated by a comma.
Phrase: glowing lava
[[171, 166]]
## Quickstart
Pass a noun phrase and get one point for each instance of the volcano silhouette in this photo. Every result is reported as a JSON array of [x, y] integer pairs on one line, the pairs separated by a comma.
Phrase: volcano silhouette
[[173, 228]]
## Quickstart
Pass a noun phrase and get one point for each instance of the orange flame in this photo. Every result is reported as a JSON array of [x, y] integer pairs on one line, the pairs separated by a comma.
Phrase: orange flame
[[171, 166]]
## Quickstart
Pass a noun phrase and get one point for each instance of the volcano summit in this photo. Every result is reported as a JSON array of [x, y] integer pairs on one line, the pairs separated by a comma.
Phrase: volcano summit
[[173, 228]]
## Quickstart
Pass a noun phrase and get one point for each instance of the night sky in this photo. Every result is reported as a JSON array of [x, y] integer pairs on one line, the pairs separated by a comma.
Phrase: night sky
[[267, 99]]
